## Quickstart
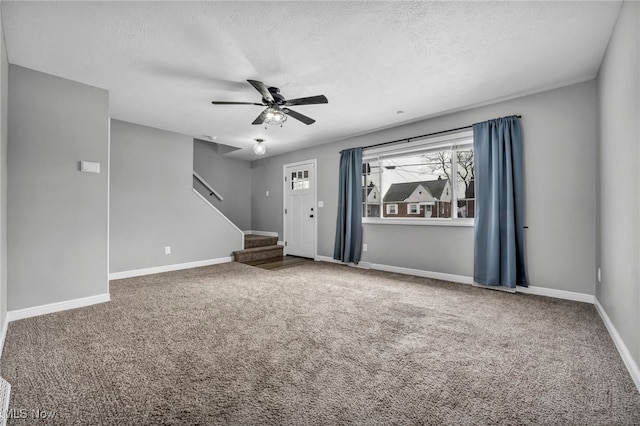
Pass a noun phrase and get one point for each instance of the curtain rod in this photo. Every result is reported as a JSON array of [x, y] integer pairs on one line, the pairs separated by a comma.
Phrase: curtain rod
[[422, 136]]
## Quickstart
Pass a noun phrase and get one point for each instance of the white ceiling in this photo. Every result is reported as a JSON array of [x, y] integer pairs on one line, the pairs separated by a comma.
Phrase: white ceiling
[[164, 62]]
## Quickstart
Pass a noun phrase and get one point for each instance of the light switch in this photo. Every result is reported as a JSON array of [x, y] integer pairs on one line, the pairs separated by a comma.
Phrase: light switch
[[89, 167], [320, 203]]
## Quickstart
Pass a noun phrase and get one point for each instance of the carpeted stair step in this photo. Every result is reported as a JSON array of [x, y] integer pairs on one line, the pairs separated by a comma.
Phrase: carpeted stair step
[[257, 253], [251, 241]]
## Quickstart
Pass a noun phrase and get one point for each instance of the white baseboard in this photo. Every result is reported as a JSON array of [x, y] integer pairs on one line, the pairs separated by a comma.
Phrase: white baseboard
[[326, 259], [426, 274], [56, 307], [631, 365], [557, 294], [3, 333], [540, 291], [167, 268], [361, 265], [404, 271], [265, 233]]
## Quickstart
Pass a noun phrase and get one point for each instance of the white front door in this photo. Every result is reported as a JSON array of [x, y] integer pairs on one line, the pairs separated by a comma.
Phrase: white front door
[[300, 211]]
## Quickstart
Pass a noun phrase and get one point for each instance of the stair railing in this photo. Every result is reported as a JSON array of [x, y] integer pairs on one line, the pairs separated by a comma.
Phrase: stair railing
[[210, 204], [206, 185]]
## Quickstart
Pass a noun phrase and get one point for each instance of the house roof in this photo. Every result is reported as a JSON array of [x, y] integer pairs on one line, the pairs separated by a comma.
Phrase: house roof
[[399, 192], [368, 189]]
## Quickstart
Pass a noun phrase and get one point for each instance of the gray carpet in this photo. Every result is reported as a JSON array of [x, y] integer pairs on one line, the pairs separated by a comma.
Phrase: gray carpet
[[317, 344]]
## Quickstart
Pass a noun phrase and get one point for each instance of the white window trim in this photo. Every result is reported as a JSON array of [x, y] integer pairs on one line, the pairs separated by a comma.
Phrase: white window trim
[[449, 141], [465, 222], [387, 208]]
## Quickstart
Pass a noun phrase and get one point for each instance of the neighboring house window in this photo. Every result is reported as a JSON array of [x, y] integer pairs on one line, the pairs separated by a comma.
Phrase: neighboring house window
[[436, 174]]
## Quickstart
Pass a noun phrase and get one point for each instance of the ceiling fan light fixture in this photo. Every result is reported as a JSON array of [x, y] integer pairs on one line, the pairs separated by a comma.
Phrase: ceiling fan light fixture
[[259, 148], [275, 115]]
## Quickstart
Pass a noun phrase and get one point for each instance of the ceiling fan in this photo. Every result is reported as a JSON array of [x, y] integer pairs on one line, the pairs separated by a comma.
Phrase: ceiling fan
[[276, 111]]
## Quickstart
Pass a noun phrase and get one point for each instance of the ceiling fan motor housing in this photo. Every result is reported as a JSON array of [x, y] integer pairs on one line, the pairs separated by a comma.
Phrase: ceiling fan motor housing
[[275, 93]]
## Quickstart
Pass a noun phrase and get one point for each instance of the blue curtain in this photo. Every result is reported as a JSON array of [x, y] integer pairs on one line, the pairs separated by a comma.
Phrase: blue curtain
[[499, 244], [348, 241]]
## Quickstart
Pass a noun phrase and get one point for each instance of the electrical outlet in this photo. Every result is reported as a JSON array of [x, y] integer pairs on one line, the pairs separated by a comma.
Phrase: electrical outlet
[[167, 250], [267, 193], [365, 247]]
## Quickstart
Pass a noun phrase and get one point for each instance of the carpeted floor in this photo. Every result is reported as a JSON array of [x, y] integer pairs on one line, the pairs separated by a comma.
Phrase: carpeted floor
[[316, 343]]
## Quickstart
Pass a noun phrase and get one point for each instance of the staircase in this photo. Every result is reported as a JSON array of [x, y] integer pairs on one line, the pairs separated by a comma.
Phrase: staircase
[[258, 247]]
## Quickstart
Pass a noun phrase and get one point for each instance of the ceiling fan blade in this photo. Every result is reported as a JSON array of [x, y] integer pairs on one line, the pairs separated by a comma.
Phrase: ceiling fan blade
[[234, 103], [260, 87], [311, 100], [260, 119], [306, 120]]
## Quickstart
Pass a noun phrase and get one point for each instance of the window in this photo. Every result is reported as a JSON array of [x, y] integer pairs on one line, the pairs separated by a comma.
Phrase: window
[[426, 179], [300, 180]]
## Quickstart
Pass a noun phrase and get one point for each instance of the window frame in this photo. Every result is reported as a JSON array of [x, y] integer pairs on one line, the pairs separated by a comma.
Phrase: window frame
[[451, 141]]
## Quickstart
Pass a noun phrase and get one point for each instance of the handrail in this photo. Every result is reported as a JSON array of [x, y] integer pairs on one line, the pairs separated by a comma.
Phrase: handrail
[[206, 185]]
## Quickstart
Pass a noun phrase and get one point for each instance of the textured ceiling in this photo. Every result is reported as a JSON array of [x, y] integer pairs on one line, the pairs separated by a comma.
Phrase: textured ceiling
[[164, 62]]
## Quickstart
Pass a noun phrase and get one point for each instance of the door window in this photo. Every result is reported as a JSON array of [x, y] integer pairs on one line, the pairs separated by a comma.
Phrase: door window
[[300, 180]]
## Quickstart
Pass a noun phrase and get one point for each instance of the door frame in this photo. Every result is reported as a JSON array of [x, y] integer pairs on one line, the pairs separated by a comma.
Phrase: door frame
[[314, 163]]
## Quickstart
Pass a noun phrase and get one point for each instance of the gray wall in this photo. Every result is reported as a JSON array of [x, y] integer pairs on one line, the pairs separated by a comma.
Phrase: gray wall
[[559, 149], [619, 191], [153, 204], [56, 215], [4, 90], [230, 177]]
